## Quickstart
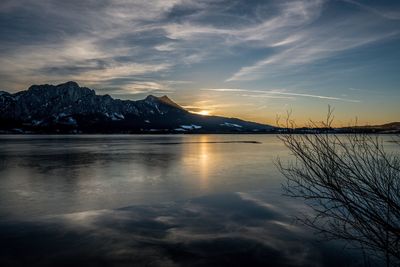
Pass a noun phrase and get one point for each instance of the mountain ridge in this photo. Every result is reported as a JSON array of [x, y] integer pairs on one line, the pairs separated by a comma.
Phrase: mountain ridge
[[69, 108]]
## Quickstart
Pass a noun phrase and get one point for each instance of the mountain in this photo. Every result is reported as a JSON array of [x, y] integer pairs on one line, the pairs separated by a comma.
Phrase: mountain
[[69, 108], [389, 128]]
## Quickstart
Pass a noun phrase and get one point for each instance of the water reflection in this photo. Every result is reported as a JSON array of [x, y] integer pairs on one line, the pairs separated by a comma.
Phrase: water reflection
[[218, 230], [204, 158], [41, 175], [61, 199]]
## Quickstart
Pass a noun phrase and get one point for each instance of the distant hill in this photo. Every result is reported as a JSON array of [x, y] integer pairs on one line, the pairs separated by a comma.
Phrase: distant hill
[[392, 127], [69, 108], [387, 126]]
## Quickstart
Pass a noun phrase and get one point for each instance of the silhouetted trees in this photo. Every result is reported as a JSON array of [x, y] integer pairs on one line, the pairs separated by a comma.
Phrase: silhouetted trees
[[352, 183]]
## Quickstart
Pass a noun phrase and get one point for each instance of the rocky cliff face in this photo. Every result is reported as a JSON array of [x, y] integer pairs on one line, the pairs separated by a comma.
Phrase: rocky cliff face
[[69, 108], [43, 100]]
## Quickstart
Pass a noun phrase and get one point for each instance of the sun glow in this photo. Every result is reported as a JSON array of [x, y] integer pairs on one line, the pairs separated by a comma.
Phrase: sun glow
[[204, 112]]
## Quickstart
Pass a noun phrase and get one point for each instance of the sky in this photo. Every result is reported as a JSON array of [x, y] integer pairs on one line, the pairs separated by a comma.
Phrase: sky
[[252, 59]]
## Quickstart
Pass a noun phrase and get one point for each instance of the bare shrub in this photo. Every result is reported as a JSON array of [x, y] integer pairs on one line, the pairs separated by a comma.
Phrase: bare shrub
[[351, 182]]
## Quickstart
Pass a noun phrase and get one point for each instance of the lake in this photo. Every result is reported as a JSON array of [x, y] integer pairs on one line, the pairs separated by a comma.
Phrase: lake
[[154, 200]]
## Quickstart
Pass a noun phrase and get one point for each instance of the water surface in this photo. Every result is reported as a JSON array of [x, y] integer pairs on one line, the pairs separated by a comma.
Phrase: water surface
[[152, 200], [42, 175]]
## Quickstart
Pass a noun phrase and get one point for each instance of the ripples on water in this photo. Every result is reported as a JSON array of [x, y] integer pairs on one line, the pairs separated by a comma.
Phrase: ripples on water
[[191, 200], [43, 175]]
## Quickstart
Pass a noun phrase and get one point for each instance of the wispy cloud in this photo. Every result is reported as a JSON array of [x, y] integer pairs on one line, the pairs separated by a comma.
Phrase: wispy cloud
[[125, 35], [121, 71], [383, 12], [85, 41], [271, 93], [268, 96], [139, 47], [314, 43]]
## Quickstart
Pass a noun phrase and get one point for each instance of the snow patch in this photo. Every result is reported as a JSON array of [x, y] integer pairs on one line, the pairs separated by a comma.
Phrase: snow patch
[[231, 125], [62, 114], [115, 116], [180, 130], [36, 123], [71, 121], [191, 127]]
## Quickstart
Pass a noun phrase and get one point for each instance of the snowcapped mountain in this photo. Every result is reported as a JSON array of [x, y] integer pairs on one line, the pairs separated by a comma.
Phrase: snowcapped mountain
[[69, 108]]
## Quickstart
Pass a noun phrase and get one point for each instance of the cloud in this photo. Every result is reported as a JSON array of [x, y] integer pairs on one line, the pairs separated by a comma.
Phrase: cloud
[[215, 230], [268, 96], [85, 41], [116, 43], [269, 31], [383, 12], [272, 93], [121, 71], [315, 43], [141, 87]]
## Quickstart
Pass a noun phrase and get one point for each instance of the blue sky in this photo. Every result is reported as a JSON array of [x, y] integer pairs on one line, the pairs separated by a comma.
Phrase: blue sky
[[249, 59]]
